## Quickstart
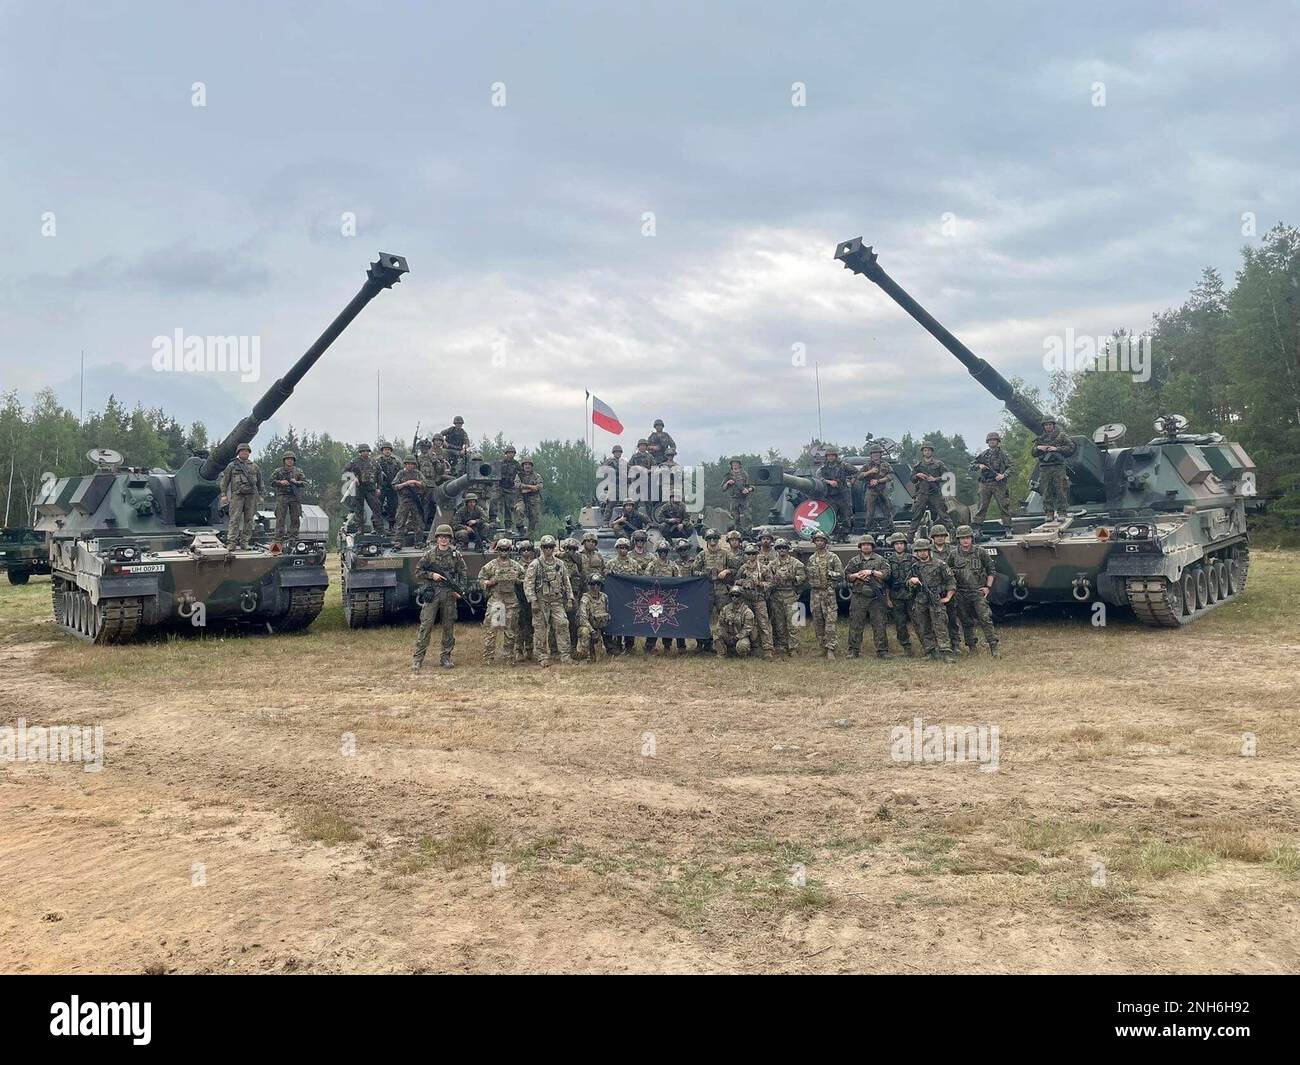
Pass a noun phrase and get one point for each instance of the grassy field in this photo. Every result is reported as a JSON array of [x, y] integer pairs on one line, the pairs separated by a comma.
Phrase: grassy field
[[303, 803]]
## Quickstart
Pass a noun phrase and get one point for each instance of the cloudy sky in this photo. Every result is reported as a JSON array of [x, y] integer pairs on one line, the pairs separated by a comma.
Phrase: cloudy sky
[[964, 141]]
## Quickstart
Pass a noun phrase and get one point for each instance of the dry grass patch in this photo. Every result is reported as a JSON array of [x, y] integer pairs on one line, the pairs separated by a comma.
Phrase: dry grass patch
[[325, 826]]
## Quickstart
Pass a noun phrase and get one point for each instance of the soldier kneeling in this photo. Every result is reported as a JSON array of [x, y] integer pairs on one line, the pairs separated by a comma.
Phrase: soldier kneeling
[[593, 616], [737, 628]]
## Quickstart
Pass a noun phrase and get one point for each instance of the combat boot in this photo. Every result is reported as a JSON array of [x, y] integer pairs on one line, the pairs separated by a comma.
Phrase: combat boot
[[830, 655], [947, 657], [445, 661], [854, 654], [993, 651], [932, 655], [566, 660], [417, 664], [883, 654]]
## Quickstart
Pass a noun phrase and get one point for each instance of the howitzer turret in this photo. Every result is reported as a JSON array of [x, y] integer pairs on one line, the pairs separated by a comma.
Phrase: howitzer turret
[[1159, 528], [135, 549]]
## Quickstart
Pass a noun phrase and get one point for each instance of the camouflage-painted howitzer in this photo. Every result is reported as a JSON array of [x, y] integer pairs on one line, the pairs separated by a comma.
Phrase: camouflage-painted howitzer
[[1158, 528], [134, 550]]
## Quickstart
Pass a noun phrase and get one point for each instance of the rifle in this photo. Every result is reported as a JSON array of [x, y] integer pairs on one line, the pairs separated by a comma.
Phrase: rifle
[[415, 439]]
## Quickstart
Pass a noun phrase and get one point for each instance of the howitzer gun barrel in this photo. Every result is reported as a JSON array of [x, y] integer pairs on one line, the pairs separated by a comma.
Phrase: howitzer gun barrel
[[777, 476], [384, 273], [862, 260]]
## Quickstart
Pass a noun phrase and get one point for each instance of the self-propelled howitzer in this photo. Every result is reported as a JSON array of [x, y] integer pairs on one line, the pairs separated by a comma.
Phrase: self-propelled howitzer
[[1159, 527], [134, 549]]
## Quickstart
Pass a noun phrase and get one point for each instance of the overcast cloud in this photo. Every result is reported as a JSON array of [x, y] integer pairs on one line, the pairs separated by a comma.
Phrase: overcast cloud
[[523, 223]]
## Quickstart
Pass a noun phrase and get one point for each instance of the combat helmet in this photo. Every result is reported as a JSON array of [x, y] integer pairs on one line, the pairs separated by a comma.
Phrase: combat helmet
[[546, 541], [898, 538], [751, 549], [458, 420], [384, 445], [659, 423], [622, 543], [471, 496], [509, 449], [589, 537], [964, 530], [595, 578], [866, 538], [289, 455], [361, 448], [639, 536], [569, 544], [410, 460], [927, 444], [990, 437], [523, 545], [782, 544], [661, 548], [711, 534], [442, 530], [922, 544], [243, 447], [819, 535], [938, 530], [504, 545]]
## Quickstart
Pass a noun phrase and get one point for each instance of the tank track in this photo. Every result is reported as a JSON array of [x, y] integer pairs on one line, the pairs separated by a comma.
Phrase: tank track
[[304, 605], [1209, 583], [364, 607], [109, 621]]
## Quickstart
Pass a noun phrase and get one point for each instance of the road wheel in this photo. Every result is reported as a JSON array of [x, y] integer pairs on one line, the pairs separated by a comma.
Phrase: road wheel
[[19, 576], [1202, 587]]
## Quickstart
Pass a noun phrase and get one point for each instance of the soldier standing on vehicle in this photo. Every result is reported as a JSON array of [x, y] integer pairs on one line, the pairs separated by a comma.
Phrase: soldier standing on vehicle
[[994, 471], [441, 571], [716, 563], [457, 441], [287, 483], [528, 511], [241, 488], [658, 442], [825, 571], [1051, 448], [546, 584], [736, 626], [927, 478], [409, 487], [366, 473], [433, 472], [933, 585], [838, 478], [738, 489], [878, 477], [501, 578], [946, 553], [389, 467], [471, 522], [788, 578], [609, 481], [868, 597], [506, 496], [974, 574], [593, 617], [900, 592]]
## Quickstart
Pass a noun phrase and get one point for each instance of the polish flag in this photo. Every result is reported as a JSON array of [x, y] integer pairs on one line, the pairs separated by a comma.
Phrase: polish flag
[[603, 415]]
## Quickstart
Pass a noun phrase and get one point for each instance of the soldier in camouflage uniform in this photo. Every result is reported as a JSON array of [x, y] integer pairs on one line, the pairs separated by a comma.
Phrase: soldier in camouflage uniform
[[439, 568], [684, 556], [788, 578], [433, 472], [945, 553], [641, 553], [838, 478], [900, 592], [287, 484], [608, 477], [524, 645], [528, 511], [501, 577], [593, 616], [623, 565], [658, 443], [994, 471], [457, 441], [568, 554], [715, 562], [641, 456], [868, 597], [974, 573], [672, 518], [590, 560], [241, 488], [737, 632], [933, 585], [1051, 448], [409, 486], [546, 584], [470, 522], [506, 496], [878, 477], [389, 467], [738, 489], [927, 494], [754, 583], [366, 492], [660, 566], [825, 571]]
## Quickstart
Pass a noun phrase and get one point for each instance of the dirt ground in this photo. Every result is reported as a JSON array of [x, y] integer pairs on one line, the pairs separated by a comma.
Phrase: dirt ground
[[303, 803]]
